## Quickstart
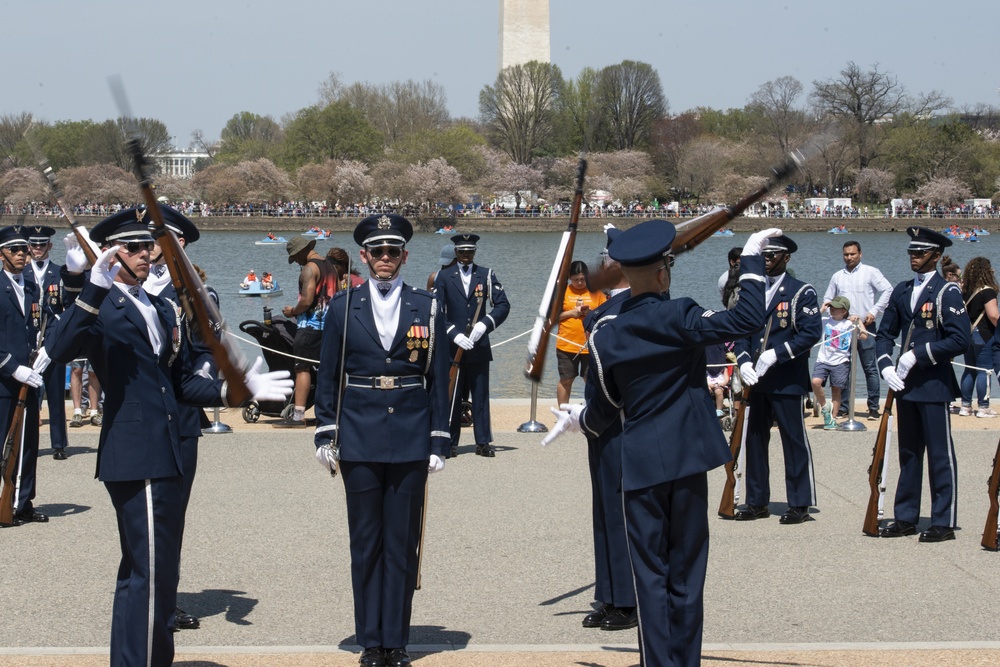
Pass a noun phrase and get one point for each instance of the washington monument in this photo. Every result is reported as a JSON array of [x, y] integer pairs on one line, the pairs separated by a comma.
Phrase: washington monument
[[524, 32]]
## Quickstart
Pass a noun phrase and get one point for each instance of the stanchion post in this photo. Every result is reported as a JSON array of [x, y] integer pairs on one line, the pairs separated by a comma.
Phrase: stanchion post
[[533, 425], [852, 424], [216, 426]]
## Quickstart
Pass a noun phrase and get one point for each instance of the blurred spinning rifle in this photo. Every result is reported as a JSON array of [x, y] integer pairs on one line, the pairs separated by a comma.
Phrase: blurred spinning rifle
[[990, 531], [737, 439], [694, 232], [876, 471], [198, 306], [555, 288]]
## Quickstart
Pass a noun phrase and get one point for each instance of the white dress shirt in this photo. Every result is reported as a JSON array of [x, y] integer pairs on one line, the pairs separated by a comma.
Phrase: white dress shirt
[[385, 309], [861, 286], [465, 271], [154, 328], [18, 281]]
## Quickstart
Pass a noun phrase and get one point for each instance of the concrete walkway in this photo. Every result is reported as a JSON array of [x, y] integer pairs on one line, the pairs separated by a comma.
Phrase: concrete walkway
[[508, 571]]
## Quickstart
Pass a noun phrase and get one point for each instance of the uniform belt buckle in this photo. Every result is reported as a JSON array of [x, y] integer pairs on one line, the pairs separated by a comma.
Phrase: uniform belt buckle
[[386, 382]]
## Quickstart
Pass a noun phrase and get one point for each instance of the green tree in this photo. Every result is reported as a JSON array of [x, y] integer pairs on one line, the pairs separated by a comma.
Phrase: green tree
[[579, 122], [105, 143], [249, 136], [63, 142], [518, 109], [458, 145], [13, 152], [336, 131]]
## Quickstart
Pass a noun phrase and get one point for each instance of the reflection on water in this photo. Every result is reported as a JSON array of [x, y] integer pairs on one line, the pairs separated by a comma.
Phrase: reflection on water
[[522, 262]]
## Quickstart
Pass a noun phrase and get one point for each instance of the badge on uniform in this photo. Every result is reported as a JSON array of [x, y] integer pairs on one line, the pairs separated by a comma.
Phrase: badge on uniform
[[36, 319], [416, 338], [927, 312], [782, 311], [53, 294], [478, 292]]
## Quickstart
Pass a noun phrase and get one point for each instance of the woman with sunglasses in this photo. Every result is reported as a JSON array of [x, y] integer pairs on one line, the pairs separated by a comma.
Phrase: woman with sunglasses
[[382, 417]]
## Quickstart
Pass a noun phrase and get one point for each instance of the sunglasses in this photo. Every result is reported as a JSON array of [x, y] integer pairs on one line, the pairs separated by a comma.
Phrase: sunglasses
[[38, 244], [133, 247], [771, 254], [392, 251], [668, 262], [918, 252], [21, 247]]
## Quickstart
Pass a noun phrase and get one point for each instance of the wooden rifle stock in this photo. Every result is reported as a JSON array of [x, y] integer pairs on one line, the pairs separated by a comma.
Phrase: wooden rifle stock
[[199, 307], [453, 371], [692, 233], [11, 455], [556, 289], [727, 504], [871, 527], [990, 530]]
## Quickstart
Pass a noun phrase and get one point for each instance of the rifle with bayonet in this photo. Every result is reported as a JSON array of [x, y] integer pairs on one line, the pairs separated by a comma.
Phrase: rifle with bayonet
[[876, 484], [192, 295], [555, 288], [727, 504], [990, 531]]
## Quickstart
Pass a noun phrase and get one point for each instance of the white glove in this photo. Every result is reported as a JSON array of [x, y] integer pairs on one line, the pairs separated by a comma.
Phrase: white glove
[[42, 361], [205, 371], [273, 386], [464, 342], [748, 374], [608, 226], [906, 363], [758, 241], [764, 362], [567, 419], [435, 464], [103, 274], [892, 379], [327, 457], [477, 332], [76, 258], [25, 375]]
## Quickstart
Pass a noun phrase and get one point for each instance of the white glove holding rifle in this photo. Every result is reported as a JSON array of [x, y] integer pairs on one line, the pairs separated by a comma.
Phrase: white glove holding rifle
[[906, 363], [764, 362], [748, 374], [758, 241], [42, 361], [463, 342], [477, 332], [892, 379], [103, 273], [25, 375]]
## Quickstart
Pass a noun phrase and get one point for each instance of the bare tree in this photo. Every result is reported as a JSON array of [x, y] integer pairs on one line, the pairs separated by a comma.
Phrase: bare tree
[[331, 89], [105, 143], [775, 103], [400, 109], [864, 99], [518, 109], [12, 129], [703, 164], [632, 98]]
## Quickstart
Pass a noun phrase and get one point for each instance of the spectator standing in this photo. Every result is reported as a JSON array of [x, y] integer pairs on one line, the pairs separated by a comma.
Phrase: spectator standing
[[833, 362], [572, 356], [868, 292], [728, 275], [979, 290]]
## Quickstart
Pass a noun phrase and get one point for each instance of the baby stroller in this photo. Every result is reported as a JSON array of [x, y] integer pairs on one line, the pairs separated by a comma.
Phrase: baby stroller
[[276, 341]]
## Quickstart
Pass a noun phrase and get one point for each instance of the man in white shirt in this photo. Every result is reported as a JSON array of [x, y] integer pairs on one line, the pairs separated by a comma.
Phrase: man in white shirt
[[869, 293]]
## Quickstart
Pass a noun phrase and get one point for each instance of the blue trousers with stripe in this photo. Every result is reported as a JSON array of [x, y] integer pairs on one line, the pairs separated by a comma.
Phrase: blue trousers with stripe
[[800, 481], [926, 427]]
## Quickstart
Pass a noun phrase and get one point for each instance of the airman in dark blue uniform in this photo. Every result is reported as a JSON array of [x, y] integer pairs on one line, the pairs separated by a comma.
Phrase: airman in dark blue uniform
[[781, 376], [138, 350], [650, 371], [929, 313], [614, 589], [382, 411], [46, 274], [460, 290], [20, 319]]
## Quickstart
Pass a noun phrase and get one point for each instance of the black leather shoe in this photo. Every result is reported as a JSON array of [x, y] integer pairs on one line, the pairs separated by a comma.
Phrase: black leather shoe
[[59, 455], [795, 515], [898, 529], [937, 534], [30, 516], [751, 512], [185, 621], [397, 657], [596, 617], [453, 452], [485, 450], [621, 618], [372, 657], [873, 415]]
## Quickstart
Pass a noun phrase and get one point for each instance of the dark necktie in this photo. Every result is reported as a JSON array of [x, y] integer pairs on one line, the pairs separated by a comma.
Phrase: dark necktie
[[920, 278], [40, 265], [466, 268], [384, 288]]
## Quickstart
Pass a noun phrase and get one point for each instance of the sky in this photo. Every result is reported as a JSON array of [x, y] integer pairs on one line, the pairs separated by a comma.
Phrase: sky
[[194, 64]]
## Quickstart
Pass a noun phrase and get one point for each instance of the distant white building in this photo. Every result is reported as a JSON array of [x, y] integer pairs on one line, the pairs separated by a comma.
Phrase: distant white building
[[179, 164], [524, 32]]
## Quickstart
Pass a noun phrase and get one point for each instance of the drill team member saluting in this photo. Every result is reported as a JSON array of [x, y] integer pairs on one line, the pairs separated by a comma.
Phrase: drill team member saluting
[[139, 350], [929, 312], [462, 290], [782, 376], [382, 411]]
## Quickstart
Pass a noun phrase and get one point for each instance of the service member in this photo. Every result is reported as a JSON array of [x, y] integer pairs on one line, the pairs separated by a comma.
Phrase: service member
[[927, 311], [387, 395], [46, 275], [652, 370], [21, 315], [781, 375], [135, 343], [192, 419], [465, 291], [614, 589]]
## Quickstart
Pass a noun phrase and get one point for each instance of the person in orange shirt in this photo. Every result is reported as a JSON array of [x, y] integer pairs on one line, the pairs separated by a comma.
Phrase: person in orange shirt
[[572, 356]]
